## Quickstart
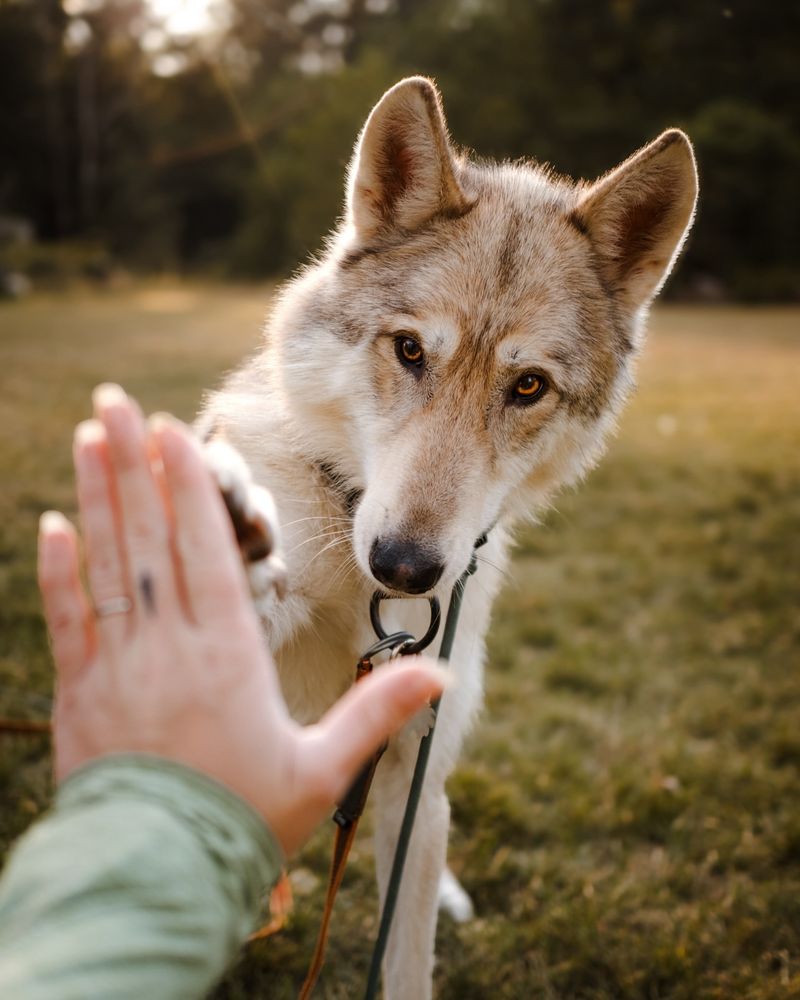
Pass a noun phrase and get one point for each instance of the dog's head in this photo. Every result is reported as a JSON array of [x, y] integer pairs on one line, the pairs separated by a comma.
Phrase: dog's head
[[465, 344]]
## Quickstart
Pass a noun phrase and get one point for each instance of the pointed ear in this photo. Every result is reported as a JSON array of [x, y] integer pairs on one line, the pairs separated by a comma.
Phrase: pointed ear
[[638, 215], [403, 171]]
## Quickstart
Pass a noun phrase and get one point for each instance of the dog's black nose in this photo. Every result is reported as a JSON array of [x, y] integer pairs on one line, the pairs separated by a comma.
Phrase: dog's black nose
[[404, 565]]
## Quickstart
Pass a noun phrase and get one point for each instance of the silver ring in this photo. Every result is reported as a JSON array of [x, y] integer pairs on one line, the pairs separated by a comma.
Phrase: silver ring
[[113, 606]]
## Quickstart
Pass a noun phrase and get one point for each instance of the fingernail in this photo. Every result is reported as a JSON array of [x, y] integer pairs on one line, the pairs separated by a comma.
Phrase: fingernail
[[159, 421], [52, 520], [163, 431], [108, 394], [173, 436], [89, 432]]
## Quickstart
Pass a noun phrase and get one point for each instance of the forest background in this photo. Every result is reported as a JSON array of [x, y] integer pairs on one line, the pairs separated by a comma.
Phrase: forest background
[[213, 136]]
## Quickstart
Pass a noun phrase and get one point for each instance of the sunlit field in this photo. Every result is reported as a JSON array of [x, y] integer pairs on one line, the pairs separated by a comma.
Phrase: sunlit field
[[627, 813]]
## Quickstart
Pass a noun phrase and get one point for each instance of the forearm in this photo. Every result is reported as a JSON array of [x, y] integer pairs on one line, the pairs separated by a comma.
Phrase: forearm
[[143, 881]]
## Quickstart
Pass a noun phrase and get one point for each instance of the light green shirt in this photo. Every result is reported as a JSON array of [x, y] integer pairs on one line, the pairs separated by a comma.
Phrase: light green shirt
[[142, 882]]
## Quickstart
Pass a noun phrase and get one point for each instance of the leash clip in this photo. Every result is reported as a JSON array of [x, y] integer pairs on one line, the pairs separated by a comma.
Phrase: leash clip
[[404, 649], [349, 810]]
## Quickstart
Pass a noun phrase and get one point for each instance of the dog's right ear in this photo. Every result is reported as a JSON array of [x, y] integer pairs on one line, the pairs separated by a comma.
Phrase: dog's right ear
[[403, 171]]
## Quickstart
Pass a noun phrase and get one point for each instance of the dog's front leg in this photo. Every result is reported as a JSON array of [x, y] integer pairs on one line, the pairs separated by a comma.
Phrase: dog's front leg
[[408, 965]]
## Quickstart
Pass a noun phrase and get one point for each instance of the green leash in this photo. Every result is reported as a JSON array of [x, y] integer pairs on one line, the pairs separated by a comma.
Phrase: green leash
[[398, 864]]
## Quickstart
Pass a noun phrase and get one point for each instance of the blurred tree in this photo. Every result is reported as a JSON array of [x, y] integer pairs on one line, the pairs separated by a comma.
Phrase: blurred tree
[[228, 149], [751, 162], [33, 168]]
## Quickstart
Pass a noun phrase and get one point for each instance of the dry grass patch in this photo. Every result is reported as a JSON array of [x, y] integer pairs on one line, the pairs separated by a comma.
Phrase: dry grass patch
[[626, 816]]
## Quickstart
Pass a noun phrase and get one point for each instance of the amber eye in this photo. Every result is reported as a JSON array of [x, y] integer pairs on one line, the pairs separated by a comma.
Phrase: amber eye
[[409, 351], [528, 388]]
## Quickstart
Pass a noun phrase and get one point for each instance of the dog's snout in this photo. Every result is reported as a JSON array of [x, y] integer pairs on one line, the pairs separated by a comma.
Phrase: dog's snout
[[405, 565]]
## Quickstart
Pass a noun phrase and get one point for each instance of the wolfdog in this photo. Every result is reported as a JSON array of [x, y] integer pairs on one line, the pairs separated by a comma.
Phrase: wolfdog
[[458, 353]]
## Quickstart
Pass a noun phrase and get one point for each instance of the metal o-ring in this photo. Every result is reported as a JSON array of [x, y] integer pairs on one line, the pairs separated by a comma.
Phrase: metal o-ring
[[419, 644], [391, 643]]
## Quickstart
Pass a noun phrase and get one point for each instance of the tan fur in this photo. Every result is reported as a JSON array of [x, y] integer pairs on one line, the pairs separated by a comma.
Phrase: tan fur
[[497, 270]]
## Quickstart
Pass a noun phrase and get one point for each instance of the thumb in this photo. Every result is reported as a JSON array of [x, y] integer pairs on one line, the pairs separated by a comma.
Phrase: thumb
[[373, 710]]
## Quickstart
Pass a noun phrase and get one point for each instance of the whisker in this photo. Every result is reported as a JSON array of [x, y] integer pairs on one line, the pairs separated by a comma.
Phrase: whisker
[[316, 517], [324, 549], [345, 569], [488, 562], [329, 533], [330, 545], [316, 500]]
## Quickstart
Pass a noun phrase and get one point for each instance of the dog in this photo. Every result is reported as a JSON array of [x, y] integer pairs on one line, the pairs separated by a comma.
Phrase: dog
[[458, 353]]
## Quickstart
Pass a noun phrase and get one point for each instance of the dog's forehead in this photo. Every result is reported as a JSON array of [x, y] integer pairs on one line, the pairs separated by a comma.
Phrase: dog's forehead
[[514, 264]]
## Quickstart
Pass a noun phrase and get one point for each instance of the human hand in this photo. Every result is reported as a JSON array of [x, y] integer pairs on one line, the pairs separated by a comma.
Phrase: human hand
[[174, 662]]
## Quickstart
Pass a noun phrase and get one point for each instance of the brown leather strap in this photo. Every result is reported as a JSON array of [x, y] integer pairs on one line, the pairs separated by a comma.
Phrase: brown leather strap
[[341, 851], [346, 817], [25, 726], [281, 901]]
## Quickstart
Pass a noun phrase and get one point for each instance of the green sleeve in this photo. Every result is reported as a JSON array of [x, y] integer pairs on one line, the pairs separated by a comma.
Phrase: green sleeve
[[143, 881]]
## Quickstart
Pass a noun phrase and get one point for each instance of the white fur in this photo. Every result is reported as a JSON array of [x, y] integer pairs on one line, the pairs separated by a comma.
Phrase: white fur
[[496, 270]]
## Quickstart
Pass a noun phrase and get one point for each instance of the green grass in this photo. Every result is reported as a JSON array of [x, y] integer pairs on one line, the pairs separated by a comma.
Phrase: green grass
[[626, 816]]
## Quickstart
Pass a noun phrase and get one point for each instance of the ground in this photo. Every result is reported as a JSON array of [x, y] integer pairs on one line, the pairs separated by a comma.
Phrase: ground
[[626, 815]]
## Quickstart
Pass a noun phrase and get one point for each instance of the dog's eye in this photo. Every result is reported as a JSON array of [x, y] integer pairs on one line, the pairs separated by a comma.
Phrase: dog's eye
[[409, 351], [528, 388]]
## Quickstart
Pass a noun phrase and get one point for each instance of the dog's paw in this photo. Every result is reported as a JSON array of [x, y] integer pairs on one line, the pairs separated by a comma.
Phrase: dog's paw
[[254, 518]]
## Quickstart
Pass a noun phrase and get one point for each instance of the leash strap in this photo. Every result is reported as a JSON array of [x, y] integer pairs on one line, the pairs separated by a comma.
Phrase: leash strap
[[415, 792], [346, 818], [25, 726], [349, 810], [345, 835]]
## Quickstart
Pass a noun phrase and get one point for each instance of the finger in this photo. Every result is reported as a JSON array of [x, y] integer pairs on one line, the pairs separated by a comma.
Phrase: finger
[[66, 610], [369, 714], [157, 465], [206, 547], [106, 564], [144, 520]]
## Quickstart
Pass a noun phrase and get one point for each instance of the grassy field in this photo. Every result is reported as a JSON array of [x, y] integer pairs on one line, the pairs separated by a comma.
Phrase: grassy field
[[627, 815]]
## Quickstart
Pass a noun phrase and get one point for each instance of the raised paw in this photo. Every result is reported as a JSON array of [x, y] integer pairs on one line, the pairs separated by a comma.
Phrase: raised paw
[[253, 515]]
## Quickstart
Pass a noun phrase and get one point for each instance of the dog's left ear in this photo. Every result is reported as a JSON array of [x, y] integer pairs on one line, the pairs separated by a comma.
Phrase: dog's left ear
[[638, 215], [403, 171]]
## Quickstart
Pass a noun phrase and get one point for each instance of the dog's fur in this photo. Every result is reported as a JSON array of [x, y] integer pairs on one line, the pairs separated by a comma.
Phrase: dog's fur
[[496, 270]]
